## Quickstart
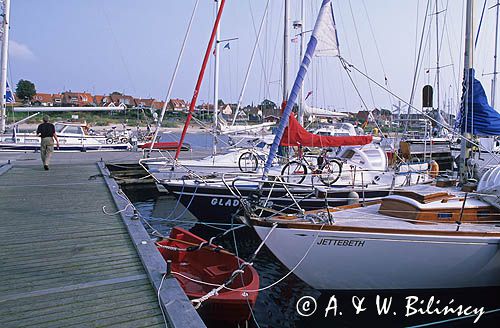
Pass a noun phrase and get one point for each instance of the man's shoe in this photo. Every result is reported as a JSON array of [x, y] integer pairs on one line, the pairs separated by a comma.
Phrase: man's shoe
[[46, 167]]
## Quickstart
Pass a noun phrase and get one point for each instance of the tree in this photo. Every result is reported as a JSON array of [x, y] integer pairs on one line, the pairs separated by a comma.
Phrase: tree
[[25, 90]]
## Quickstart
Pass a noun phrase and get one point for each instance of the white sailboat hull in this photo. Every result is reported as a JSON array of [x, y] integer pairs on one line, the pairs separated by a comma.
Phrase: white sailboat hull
[[340, 260]]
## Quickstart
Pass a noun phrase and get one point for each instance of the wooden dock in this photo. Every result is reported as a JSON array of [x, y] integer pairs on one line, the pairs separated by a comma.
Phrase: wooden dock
[[65, 263]]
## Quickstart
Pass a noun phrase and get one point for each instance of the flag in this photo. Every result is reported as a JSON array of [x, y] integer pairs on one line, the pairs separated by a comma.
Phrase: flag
[[308, 94], [9, 96], [227, 46]]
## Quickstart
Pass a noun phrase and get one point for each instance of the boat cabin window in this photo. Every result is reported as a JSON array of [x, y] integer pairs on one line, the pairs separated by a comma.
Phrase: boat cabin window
[[444, 216], [73, 130], [59, 127], [353, 156], [348, 154]]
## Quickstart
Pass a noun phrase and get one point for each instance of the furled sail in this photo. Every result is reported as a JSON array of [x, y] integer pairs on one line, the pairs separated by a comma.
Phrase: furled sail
[[323, 37], [481, 119], [296, 135], [316, 111]]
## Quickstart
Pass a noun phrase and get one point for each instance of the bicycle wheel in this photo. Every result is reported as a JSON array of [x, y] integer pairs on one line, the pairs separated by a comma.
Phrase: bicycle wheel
[[248, 162], [294, 172], [331, 172]]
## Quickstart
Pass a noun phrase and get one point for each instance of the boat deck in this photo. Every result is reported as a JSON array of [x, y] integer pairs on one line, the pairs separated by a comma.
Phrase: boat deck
[[370, 217], [65, 263]]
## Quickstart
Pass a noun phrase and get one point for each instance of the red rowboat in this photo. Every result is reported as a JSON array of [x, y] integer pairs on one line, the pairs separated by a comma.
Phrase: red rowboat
[[213, 265], [169, 145]]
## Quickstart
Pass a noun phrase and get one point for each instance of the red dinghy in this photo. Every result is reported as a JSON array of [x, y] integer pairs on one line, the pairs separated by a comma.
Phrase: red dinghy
[[168, 145], [215, 266]]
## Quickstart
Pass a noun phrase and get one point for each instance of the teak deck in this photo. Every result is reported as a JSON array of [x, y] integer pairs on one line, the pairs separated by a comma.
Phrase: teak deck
[[64, 263]]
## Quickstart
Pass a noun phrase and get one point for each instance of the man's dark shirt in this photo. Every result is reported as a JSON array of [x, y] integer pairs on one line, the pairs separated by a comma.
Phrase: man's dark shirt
[[46, 130]]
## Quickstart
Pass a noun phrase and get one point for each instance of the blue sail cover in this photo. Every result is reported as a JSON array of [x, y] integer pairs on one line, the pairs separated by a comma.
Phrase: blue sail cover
[[324, 41], [481, 118]]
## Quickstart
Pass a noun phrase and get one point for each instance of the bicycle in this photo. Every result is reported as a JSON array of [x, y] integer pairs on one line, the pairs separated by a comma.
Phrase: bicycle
[[328, 170]]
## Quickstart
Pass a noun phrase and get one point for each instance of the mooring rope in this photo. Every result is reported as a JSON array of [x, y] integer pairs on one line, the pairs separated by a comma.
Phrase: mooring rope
[[240, 270], [263, 288]]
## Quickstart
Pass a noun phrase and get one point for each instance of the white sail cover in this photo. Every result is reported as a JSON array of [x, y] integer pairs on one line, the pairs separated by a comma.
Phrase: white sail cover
[[326, 33]]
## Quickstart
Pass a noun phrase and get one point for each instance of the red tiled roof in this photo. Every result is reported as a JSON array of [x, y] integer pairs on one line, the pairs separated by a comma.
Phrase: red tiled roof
[[177, 103], [144, 102], [157, 104], [43, 98]]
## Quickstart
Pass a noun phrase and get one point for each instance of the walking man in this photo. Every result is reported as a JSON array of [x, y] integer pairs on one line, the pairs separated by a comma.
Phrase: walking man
[[47, 132]]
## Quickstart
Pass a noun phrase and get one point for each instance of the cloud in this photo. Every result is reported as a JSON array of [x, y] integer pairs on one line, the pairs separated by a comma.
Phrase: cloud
[[21, 51]]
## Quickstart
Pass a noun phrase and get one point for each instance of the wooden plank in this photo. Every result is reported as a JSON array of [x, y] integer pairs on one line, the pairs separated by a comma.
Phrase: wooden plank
[[178, 309], [115, 311], [81, 308], [57, 300], [62, 241], [72, 287]]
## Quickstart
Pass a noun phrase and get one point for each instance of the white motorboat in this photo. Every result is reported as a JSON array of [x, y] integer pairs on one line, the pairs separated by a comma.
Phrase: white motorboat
[[72, 137]]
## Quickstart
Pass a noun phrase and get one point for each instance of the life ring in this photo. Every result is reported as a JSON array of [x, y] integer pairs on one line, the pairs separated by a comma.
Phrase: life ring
[[434, 170]]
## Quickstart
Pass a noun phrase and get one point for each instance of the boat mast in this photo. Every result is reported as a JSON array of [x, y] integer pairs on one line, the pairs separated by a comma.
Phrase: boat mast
[[286, 40], [465, 150], [302, 49], [3, 67], [494, 80], [437, 57], [174, 75], [216, 82], [200, 79]]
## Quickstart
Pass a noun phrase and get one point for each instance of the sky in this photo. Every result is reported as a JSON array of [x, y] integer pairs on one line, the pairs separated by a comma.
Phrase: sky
[[130, 46]]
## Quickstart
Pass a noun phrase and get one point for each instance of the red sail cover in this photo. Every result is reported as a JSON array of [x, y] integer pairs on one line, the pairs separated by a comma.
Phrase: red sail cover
[[296, 135]]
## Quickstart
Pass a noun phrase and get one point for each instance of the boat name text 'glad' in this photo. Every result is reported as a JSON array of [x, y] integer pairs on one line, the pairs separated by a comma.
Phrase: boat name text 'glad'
[[224, 202]]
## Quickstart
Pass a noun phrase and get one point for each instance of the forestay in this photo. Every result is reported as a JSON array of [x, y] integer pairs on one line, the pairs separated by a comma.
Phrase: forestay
[[324, 39]]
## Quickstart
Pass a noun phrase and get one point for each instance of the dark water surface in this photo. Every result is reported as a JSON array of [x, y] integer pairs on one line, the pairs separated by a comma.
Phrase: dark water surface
[[277, 306]]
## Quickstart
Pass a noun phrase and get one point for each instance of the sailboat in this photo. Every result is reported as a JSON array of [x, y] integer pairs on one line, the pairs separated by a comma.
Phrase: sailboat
[[360, 172], [422, 237]]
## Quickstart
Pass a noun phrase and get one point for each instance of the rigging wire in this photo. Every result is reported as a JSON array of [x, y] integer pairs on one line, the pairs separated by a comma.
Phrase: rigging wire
[[417, 66], [480, 23], [362, 55], [391, 100], [464, 139]]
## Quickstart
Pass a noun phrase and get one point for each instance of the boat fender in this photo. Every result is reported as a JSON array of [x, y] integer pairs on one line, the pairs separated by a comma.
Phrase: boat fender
[[434, 171], [352, 198]]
